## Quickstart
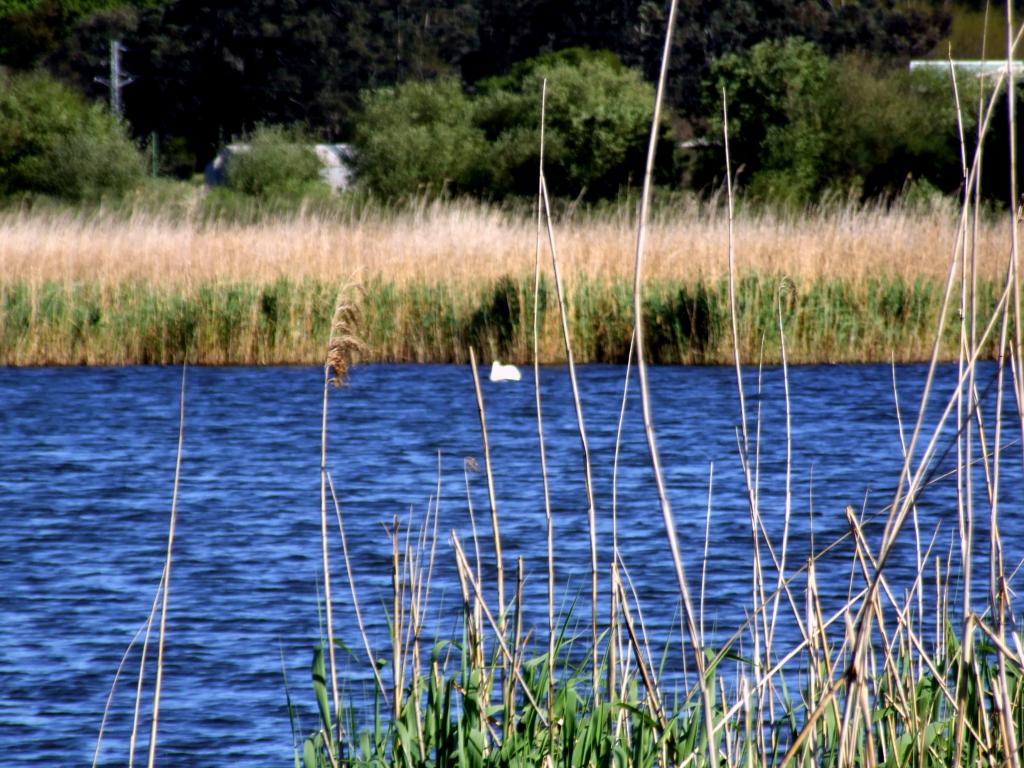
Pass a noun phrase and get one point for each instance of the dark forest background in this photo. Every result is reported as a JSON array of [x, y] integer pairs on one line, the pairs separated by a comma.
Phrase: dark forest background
[[208, 71], [205, 73]]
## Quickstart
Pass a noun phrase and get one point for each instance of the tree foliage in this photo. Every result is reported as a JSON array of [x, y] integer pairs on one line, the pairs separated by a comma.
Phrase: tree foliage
[[52, 142], [418, 137], [32, 30], [803, 125], [277, 162], [432, 136], [206, 71], [597, 124], [781, 105]]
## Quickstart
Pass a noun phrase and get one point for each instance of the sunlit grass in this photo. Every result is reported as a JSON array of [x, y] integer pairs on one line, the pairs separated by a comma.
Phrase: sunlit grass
[[466, 245]]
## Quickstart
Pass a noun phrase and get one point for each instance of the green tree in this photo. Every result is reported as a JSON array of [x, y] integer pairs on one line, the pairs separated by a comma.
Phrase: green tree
[[897, 127], [598, 121], [781, 104], [431, 136], [53, 142], [278, 162], [514, 30], [210, 70], [32, 30], [802, 125], [418, 137]]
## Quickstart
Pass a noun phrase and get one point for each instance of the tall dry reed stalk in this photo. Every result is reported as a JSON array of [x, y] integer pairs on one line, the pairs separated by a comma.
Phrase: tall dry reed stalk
[[160, 599], [113, 689], [495, 525], [325, 559], [588, 480], [542, 450], [158, 683], [645, 398]]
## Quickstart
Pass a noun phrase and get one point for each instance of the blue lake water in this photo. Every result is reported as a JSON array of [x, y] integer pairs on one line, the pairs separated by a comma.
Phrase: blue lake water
[[87, 462]]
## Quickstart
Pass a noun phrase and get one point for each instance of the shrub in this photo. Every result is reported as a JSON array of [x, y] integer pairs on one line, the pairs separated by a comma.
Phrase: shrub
[[53, 142], [598, 121], [431, 136], [781, 104], [278, 162], [417, 137], [897, 127], [803, 126]]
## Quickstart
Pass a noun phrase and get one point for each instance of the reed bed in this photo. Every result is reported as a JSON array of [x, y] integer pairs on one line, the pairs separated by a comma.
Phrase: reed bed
[[468, 244], [288, 322], [109, 289]]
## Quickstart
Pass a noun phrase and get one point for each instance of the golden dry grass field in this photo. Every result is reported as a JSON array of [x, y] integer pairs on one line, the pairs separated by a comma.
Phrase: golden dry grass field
[[467, 244]]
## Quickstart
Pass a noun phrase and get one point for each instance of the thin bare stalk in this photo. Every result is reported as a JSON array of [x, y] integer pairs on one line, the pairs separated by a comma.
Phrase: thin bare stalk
[[467, 574], [517, 650], [581, 425], [433, 539], [1018, 379], [548, 519], [770, 637], [645, 398], [707, 541], [167, 578], [355, 597], [325, 562], [142, 671], [469, 464], [396, 622], [648, 680], [618, 447], [966, 313], [1015, 207], [733, 311], [648, 656], [917, 527], [614, 632], [113, 687], [415, 574], [492, 498], [757, 583]]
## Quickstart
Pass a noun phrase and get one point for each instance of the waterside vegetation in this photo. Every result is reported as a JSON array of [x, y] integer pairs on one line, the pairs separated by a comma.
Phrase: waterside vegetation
[[858, 283]]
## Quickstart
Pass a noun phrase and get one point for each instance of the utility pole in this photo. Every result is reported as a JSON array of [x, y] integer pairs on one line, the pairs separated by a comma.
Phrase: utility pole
[[117, 79]]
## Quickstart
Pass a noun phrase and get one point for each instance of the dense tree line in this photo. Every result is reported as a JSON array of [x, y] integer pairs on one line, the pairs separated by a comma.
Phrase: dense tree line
[[206, 71]]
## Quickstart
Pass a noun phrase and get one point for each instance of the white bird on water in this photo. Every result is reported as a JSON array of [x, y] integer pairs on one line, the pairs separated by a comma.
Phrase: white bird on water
[[501, 372]]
